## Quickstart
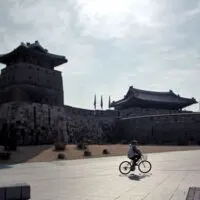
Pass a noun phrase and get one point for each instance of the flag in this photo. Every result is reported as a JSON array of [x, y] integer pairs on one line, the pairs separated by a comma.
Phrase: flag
[[101, 102], [95, 101], [109, 102]]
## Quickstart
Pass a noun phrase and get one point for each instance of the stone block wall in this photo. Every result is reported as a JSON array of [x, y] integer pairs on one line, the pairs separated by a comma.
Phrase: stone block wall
[[145, 111], [34, 123], [43, 124], [180, 128], [40, 84], [87, 123]]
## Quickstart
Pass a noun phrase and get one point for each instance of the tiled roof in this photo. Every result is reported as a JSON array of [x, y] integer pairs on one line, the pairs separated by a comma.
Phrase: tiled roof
[[152, 96], [169, 96], [35, 47]]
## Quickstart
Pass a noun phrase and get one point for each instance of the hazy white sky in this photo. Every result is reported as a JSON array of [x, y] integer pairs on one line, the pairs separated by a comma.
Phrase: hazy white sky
[[111, 44]]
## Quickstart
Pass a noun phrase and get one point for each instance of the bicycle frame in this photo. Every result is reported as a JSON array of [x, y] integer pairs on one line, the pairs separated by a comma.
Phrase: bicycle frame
[[141, 159]]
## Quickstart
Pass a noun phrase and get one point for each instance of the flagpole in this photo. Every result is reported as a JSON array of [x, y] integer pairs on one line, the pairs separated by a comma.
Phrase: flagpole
[[95, 103], [109, 102], [199, 106], [101, 103]]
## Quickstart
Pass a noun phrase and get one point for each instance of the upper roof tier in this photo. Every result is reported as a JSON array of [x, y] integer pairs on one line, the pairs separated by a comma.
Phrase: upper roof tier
[[35, 50], [151, 99]]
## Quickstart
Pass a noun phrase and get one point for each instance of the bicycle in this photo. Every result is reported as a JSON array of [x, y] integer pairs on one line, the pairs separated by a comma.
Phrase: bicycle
[[127, 166]]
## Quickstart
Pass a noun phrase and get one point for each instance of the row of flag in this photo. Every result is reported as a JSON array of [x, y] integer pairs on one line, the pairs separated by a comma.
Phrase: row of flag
[[101, 102]]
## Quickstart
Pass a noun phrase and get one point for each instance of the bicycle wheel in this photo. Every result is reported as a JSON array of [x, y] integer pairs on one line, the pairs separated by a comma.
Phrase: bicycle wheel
[[125, 167], [144, 166]]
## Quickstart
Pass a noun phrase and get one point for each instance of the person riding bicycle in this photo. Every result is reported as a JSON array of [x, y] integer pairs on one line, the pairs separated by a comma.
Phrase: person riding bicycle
[[134, 153]]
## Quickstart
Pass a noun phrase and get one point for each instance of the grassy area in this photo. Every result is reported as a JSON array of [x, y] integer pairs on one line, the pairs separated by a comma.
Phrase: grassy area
[[46, 153]]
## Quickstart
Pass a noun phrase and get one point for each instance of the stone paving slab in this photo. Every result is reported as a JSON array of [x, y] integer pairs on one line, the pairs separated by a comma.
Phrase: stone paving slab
[[94, 179]]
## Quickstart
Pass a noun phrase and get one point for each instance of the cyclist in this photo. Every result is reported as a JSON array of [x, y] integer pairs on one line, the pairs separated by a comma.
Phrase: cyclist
[[134, 153]]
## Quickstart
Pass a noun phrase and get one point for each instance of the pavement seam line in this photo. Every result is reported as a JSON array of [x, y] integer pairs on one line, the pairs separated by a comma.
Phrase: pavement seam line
[[147, 193], [179, 185], [156, 187]]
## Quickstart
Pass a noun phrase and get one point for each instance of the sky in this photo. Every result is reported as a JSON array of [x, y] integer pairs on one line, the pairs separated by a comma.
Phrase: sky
[[111, 44]]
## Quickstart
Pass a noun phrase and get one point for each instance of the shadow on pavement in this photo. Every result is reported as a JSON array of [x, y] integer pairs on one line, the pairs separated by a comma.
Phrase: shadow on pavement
[[5, 166], [136, 177], [24, 154]]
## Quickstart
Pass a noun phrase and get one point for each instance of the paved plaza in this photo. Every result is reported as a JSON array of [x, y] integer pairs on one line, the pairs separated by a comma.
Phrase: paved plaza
[[99, 179]]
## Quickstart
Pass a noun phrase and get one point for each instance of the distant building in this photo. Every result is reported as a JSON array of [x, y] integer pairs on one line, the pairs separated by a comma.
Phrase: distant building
[[151, 99]]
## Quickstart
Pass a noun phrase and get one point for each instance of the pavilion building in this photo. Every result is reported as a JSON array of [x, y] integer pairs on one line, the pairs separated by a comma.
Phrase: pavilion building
[[151, 99]]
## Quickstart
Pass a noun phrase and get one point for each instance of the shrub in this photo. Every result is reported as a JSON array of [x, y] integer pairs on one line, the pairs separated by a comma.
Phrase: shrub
[[61, 156], [59, 146], [105, 152], [87, 153], [89, 141], [5, 155], [124, 142], [81, 146]]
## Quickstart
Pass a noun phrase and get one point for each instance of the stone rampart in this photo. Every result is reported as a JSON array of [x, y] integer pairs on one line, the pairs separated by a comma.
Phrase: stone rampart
[[178, 128]]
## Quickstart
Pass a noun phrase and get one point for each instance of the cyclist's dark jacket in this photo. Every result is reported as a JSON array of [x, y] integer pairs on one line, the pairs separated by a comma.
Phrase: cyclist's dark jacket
[[133, 151]]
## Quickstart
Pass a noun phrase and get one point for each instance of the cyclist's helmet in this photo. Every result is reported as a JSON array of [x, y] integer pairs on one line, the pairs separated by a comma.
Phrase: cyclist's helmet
[[134, 142]]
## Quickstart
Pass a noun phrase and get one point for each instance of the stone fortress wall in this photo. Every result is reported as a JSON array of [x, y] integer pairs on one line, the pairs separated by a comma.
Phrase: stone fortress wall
[[42, 124], [29, 76], [145, 111], [178, 128]]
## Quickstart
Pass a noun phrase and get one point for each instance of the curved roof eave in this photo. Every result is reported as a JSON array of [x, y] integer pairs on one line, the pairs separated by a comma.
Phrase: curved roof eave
[[183, 103], [132, 89], [22, 47]]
